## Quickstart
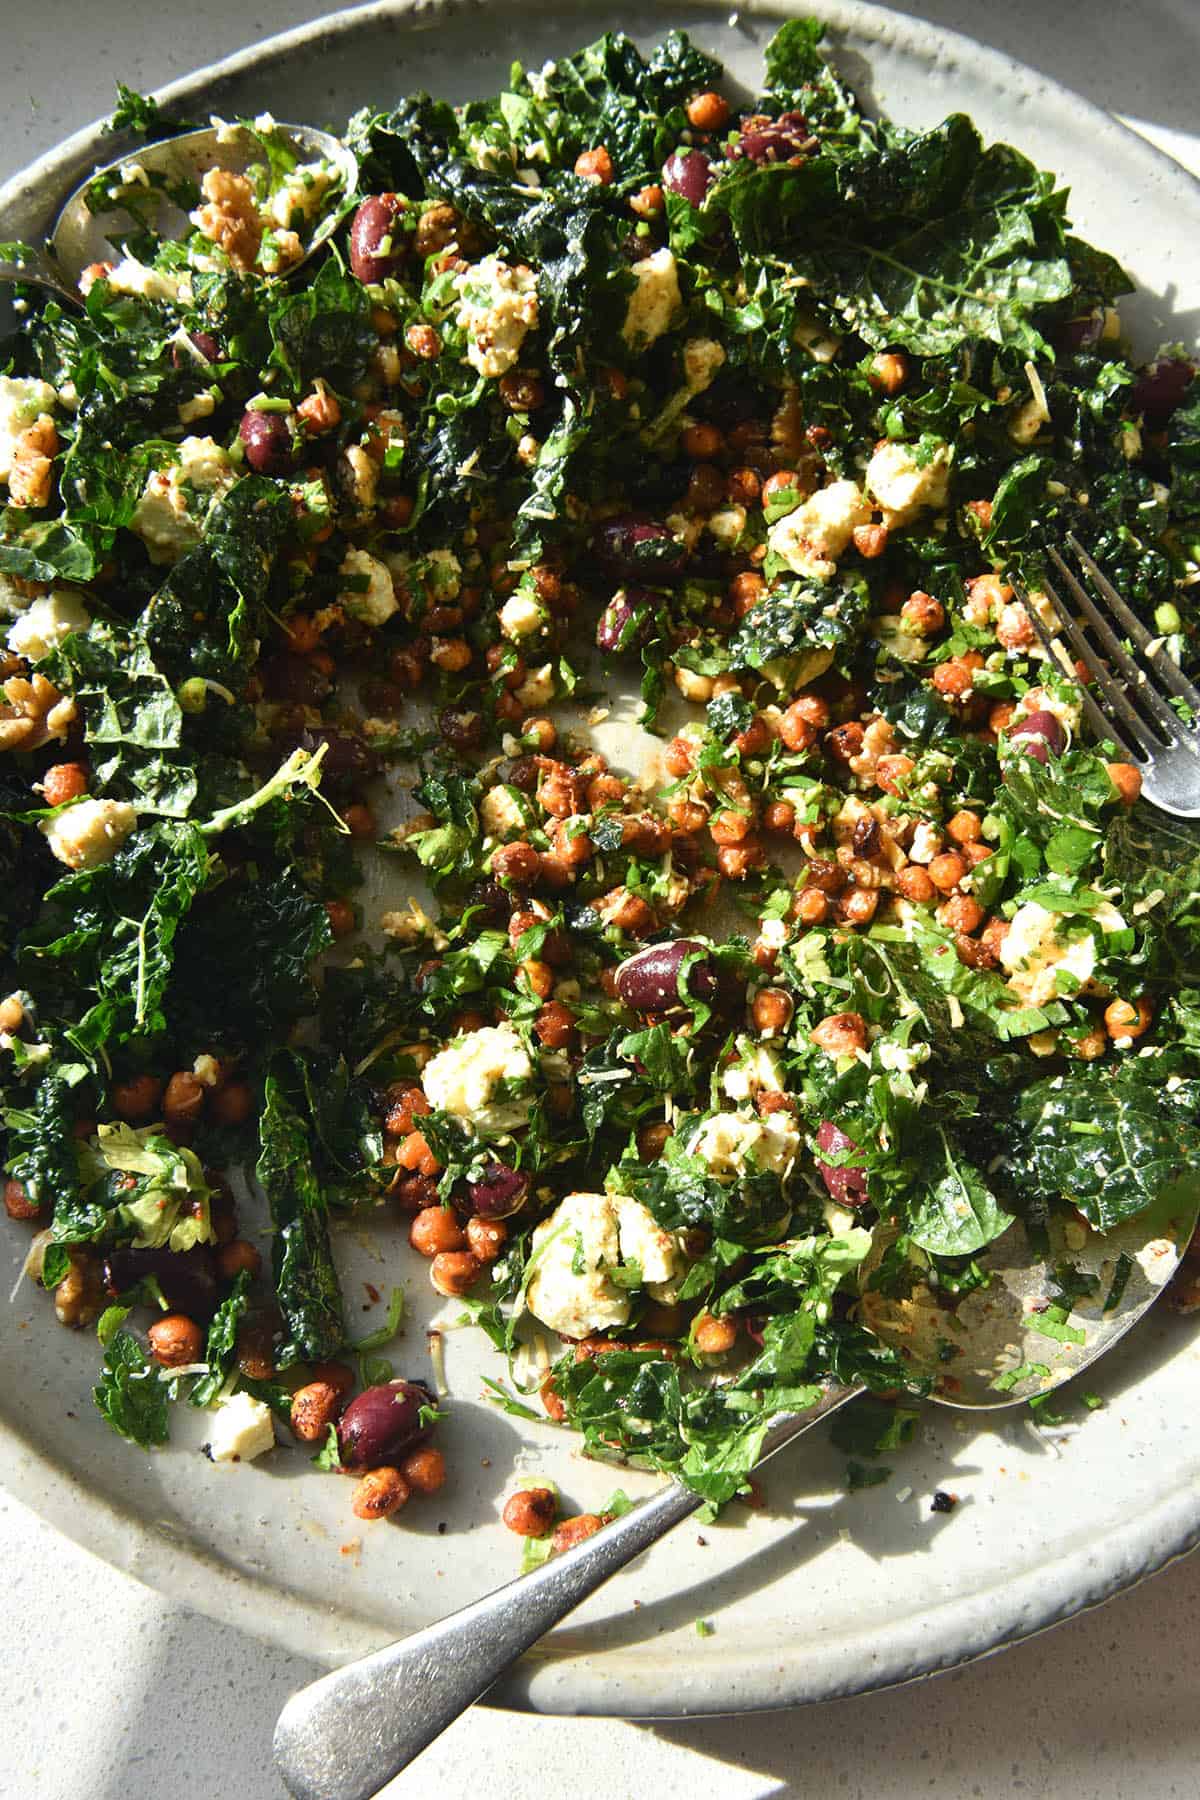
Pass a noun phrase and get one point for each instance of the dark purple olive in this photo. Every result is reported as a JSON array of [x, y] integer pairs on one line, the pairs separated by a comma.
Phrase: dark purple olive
[[1041, 735], [499, 1192], [204, 342], [625, 621], [649, 981], [632, 546], [383, 1423], [348, 760], [847, 1183], [187, 1278], [494, 902], [521, 772], [1159, 390], [1083, 333], [773, 140], [378, 240], [462, 728], [688, 172], [756, 1327], [292, 680], [268, 442]]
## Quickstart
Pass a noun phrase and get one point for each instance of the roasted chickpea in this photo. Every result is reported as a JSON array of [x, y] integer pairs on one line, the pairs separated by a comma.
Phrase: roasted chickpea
[[811, 906], [955, 678], [736, 861], [648, 202], [700, 443], [745, 487], [912, 883], [424, 342], [379, 1493], [18, 1203], [829, 877], [486, 1238], [340, 914], [555, 1026], [745, 592], [714, 1336], [947, 870], [175, 1341], [771, 1009], [961, 912], [530, 1512], [922, 614], [137, 1099], [964, 828], [64, 781], [436, 1230], [708, 112], [549, 1396], [888, 371], [845, 742], [858, 906], [1126, 779], [1092, 1044], [840, 1034], [183, 1101], [652, 1140], [405, 1104], [232, 1103], [314, 1408], [454, 1272], [891, 773], [237, 1258], [1124, 1020], [779, 816], [415, 1155], [595, 166], [575, 1531], [518, 863], [424, 1470]]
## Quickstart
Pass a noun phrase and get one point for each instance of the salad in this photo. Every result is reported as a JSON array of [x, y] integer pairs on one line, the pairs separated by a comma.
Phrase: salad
[[701, 1078]]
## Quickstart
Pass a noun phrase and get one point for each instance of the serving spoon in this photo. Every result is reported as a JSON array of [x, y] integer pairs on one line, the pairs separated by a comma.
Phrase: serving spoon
[[81, 237], [348, 1734]]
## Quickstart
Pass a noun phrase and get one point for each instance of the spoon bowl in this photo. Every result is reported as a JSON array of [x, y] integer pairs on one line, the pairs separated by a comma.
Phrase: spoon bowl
[[160, 182]]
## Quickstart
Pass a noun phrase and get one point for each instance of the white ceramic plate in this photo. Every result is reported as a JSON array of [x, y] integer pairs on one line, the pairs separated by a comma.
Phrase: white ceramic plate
[[823, 1593]]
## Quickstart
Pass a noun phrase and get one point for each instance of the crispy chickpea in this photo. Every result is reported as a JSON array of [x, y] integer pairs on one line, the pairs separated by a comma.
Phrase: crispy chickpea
[[994, 934], [550, 1399], [605, 790], [891, 772], [595, 166], [840, 1034], [870, 540], [947, 870], [648, 202], [779, 816], [137, 1099], [314, 1408], [424, 1470], [955, 678], [454, 1272], [745, 486], [530, 1512], [232, 1103], [829, 877], [1126, 779], [522, 391], [729, 827], [922, 614], [679, 757], [797, 729], [436, 1230], [784, 481], [1001, 716], [486, 1238], [79, 1296], [713, 1336], [540, 977], [64, 781], [555, 1026], [858, 907], [735, 861], [686, 816], [811, 906], [18, 1203], [1091, 1045], [320, 412], [405, 1104], [1014, 627], [575, 1531], [450, 654], [745, 592], [380, 1493], [652, 1140], [626, 912], [359, 820], [175, 1340], [519, 863], [912, 883], [416, 1156], [1123, 1020], [12, 1014], [708, 112], [424, 342], [183, 1101], [961, 912], [338, 1375], [256, 1349], [700, 443], [771, 1009], [964, 828], [340, 914], [238, 1258], [845, 742], [888, 371]]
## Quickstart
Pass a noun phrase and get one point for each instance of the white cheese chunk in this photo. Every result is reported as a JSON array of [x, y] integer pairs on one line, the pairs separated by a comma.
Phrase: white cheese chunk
[[133, 277], [502, 813], [90, 833], [702, 358], [497, 308], [733, 1145], [812, 537], [654, 301], [1036, 947], [521, 617], [375, 603], [302, 193], [241, 1429], [463, 1078], [169, 515], [574, 1252], [902, 486], [22, 400], [755, 1072], [47, 622]]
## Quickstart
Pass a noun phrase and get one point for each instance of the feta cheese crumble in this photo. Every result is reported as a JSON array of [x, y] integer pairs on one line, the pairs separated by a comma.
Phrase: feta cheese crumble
[[575, 1251], [463, 1079], [812, 537], [90, 833], [497, 308], [654, 301]]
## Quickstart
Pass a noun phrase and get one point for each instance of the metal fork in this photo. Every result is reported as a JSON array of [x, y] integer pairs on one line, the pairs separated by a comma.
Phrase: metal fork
[[1133, 672]]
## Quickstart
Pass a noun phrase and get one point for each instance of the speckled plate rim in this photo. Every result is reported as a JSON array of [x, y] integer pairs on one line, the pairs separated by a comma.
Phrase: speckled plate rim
[[618, 1682]]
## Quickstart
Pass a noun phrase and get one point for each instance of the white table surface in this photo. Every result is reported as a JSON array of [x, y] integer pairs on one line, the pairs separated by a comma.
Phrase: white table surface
[[109, 1692]]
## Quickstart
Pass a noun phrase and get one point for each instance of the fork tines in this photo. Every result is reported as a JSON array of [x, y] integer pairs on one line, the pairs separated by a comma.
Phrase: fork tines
[[1129, 668]]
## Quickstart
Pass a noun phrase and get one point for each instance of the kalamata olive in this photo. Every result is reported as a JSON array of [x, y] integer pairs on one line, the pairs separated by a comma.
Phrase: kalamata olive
[[348, 760], [268, 442], [847, 1183], [499, 1192], [204, 342], [462, 727], [378, 240], [631, 546], [688, 172], [1159, 390], [1041, 735], [649, 981], [495, 902], [521, 772], [1083, 333], [383, 1422], [773, 140], [292, 680], [187, 1278], [625, 621]]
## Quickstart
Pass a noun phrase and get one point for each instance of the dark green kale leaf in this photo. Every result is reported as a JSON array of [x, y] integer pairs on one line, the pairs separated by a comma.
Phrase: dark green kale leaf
[[1111, 1144], [131, 718], [956, 1213], [131, 1394], [306, 1281], [324, 330], [221, 1347], [794, 620], [680, 1192], [43, 1155]]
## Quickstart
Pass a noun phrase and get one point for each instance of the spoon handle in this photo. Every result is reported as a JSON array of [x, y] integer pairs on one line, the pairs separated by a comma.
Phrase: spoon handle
[[345, 1736]]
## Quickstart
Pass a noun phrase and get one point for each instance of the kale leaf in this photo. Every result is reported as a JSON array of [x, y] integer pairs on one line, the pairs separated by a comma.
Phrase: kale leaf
[[306, 1281], [131, 1393]]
